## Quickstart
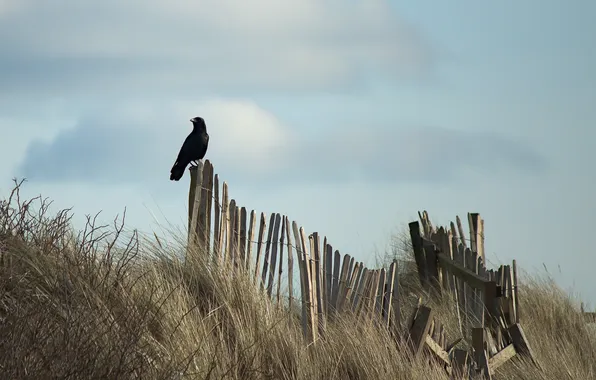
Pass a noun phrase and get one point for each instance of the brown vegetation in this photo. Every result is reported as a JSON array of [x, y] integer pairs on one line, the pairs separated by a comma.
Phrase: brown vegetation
[[106, 303]]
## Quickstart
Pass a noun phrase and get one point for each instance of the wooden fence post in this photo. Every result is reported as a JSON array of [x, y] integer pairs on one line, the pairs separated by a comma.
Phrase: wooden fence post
[[418, 252]]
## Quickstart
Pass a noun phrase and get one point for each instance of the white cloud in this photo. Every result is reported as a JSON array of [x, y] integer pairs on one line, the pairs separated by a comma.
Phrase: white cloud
[[208, 44], [242, 134], [136, 143]]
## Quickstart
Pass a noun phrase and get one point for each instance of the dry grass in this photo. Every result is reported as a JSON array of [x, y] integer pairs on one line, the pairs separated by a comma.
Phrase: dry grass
[[107, 304]]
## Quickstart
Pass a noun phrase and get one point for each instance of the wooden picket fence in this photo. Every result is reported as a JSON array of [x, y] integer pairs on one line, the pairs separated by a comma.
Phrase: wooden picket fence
[[488, 300], [332, 283]]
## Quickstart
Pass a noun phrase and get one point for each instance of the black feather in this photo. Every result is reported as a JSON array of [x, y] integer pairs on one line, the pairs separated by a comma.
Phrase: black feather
[[193, 149]]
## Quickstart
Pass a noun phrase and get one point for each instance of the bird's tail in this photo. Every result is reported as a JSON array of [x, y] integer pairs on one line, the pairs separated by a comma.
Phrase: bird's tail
[[177, 172]]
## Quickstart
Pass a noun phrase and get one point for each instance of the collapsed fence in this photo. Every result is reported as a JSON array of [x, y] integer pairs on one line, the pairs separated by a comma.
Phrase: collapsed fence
[[331, 283]]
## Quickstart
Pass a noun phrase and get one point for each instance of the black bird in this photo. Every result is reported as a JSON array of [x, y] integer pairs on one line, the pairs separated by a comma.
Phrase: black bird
[[193, 149]]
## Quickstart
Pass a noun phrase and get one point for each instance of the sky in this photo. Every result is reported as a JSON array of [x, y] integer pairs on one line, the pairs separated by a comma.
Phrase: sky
[[349, 116]]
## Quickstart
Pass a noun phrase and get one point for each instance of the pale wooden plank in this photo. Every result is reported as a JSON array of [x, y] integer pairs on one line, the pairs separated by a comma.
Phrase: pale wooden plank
[[363, 287], [195, 204], [209, 202], [223, 227], [480, 238], [239, 258], [507, 313], [281, 257], [515, 288], [230, 232], [380, 294], [391, 279], [436, 349], [354, 278], [290, 265], [304, 286], [316, 272], [262, 227], [201, 225], [395, 302], [192, 200], [216, 219], [521, 344], [336, 278], [310, 270], [250, 238], [343, 282], [460, 229], [502, 357], [357, 294]]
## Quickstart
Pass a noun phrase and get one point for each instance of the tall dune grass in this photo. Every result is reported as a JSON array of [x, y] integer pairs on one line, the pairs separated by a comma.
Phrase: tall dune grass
[[106, 303]]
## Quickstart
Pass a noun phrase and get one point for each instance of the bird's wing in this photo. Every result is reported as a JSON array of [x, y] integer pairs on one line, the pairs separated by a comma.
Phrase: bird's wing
[[186, 150], [204, 145]]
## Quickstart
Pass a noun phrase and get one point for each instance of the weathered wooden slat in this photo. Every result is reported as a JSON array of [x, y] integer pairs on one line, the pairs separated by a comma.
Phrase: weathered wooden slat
[[209, 207], [351, 289], [419, 330], [418, 248], [267, 255], [460, 229], [250, 238], [315, 250], [514, 285], [239, 258], [290, 266], [312, 294], [387, 310], [372, 294], [521, 344], [437, 350], [201, 226], [223, 227], [336, 279], [194, 201], [231, 249], [501, 358], [343, 282], [328, 270], [281, 257], [459, 270], [380, 293], [216, 219], [242, 237], [262, 227], [273, 256], [304, 287], [357, 294]]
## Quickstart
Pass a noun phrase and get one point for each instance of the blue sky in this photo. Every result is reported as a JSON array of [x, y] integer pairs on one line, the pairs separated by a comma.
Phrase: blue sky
[[348, 116]]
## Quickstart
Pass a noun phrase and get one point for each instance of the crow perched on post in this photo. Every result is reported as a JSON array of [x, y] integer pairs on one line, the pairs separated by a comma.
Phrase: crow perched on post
[[193, 149]]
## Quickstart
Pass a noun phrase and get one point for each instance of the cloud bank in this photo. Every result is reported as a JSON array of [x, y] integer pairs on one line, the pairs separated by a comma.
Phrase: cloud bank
[[153, 47], [249, 143]]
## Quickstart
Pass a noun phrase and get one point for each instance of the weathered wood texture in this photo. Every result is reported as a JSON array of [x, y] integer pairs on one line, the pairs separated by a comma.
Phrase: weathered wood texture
[[275, 252]]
